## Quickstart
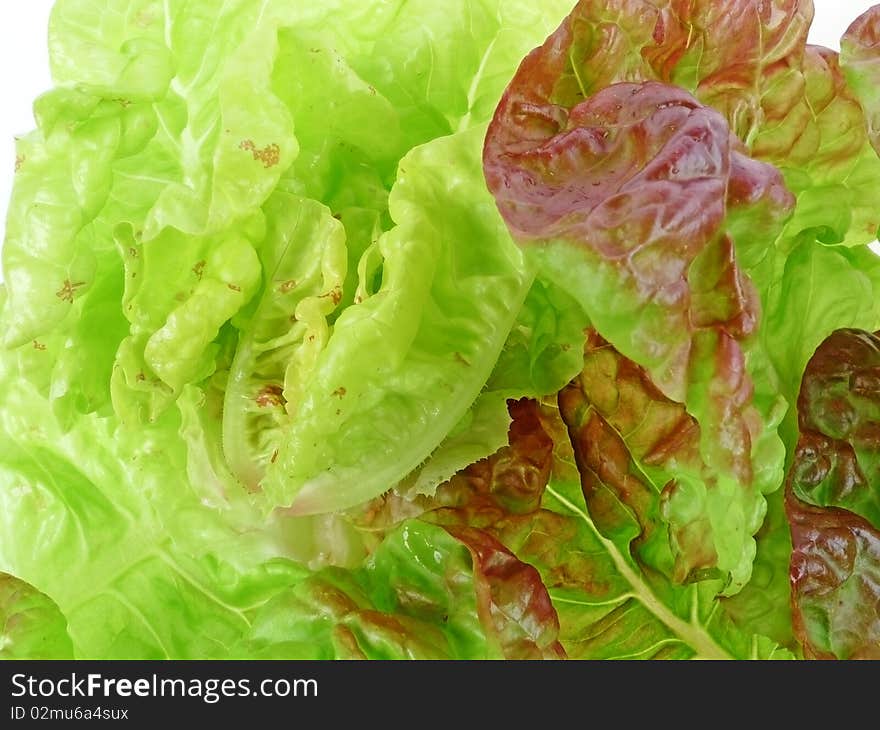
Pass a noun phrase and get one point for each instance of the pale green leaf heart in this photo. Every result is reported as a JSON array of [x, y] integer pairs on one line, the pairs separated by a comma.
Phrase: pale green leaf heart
[[402, 367]]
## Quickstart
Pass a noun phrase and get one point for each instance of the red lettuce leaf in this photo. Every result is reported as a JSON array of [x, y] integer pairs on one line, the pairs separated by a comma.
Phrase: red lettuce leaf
[[559, 501], [629, 195], [835, 580], [428, 591], [633, 446], [787, 100], [860, 57], [833, 501], [512, 601]]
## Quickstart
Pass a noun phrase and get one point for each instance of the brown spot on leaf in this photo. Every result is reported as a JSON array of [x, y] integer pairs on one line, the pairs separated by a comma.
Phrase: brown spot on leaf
[[39, 345], [124, 103], [234, 287], [340, 392], [288, 286], [270, 396], [144, 19], [19, 161], [67, 292], [335, 295], [140, 377], [274, 456], [462, 359], [270, 155], [199, 269]]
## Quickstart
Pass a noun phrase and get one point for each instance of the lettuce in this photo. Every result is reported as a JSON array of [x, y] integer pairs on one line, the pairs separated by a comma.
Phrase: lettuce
[[33, 627], [364, 330], [630, 155], [833, 502]]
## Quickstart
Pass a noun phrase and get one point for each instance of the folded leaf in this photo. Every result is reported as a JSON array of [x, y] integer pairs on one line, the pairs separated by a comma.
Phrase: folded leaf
[[304, 264]]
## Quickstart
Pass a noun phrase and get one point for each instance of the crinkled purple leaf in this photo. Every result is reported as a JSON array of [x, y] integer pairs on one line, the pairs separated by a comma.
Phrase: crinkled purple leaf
[[835, 579], [629, 199], [833, 500]]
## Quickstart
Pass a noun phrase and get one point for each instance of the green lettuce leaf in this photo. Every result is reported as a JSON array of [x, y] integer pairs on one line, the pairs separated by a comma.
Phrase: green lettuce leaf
[[149, 570], [820, 290], [543, 352], [426, 593], [442, 67], [150, 142], [33, 627]]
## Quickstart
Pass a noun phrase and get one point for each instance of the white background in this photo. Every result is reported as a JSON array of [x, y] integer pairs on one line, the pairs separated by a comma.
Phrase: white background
[[25, 64]]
